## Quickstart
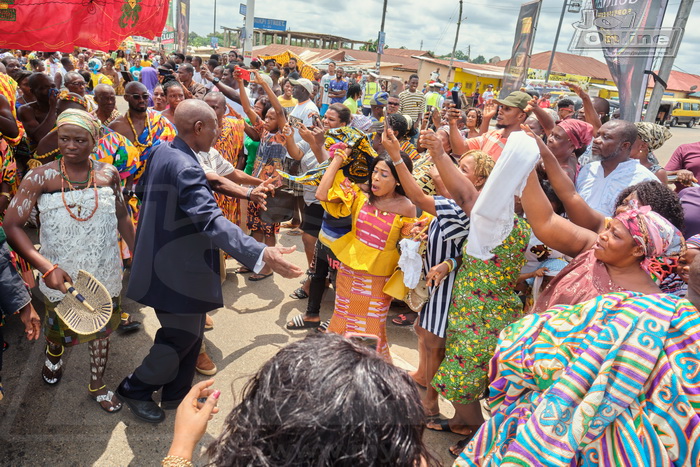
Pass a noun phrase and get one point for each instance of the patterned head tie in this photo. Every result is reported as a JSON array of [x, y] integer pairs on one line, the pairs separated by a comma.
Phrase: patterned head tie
[[82, 119], [356, 166], [657, 236], [693, 243], [73, 97], [654, 135]]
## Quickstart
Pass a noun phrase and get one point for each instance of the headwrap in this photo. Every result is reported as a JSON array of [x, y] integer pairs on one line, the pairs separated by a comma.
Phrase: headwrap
[[580, 133], [654, 135], [693, 243], [95, 65], [379, 98], [82, 119], [73, 97], [652, 232], [356, 165]]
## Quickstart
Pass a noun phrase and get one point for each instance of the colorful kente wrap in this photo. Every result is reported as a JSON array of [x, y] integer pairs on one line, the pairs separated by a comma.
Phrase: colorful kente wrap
[[73, 97], [229, 144], [614, 381], [130, 157], [356, 166]]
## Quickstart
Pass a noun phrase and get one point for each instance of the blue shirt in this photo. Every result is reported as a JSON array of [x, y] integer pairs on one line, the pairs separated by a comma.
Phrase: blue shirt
[[336, 85]]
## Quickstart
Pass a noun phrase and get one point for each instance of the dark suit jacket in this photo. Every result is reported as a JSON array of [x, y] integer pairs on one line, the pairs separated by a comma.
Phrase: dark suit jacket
[[180, 228]]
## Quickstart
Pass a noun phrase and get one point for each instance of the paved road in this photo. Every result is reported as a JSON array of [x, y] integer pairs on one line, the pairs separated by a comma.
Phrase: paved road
[[60, 425]]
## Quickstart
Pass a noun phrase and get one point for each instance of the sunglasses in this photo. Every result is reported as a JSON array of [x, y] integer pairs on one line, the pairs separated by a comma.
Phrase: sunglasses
[[392, 103], [137, 97]]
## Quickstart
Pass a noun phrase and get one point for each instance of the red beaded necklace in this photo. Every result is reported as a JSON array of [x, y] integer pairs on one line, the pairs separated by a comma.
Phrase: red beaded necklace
[[91, 180]]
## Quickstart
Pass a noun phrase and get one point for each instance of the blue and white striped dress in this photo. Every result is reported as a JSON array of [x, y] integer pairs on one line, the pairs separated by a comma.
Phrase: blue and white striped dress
[[446, 236]]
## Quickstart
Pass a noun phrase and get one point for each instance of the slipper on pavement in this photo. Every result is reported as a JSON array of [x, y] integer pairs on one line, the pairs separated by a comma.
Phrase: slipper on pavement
[[259, 277]]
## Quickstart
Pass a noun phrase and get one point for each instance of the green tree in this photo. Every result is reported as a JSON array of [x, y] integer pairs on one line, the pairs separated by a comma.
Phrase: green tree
[[372, 47], [480, 60]]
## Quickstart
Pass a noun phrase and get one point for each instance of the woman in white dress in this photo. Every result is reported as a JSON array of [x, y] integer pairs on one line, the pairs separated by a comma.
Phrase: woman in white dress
[[81, 209]]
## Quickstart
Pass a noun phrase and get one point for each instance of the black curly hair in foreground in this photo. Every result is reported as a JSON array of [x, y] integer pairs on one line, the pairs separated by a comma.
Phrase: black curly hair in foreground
[[325, 401], [662, 199]]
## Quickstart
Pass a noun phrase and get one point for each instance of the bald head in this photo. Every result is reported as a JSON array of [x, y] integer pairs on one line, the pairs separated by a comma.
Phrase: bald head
[[217, 101], [196, 124], [102, 89], [135, 87]]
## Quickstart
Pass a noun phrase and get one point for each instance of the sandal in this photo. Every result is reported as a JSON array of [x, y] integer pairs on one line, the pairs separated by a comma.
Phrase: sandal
[[298, 322], [54, 370], [295, 232], [457, 449], [113, 404], [289, 225], [299, 294], [405, 319], [259, 277], [243, 270], [324, 326]]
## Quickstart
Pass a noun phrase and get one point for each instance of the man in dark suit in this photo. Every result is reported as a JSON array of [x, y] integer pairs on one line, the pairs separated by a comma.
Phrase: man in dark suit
[[175, 267]]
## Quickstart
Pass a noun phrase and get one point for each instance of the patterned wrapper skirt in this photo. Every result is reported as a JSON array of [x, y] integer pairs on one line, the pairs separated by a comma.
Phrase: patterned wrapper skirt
[[58, 333], [361, 305]]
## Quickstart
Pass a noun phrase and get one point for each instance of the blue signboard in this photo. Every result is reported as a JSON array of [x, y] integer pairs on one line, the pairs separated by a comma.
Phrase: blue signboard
[[265, 23]]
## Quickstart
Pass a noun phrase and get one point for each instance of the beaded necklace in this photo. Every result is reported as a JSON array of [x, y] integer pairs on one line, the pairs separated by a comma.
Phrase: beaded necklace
[[90, 180], [138, 143]]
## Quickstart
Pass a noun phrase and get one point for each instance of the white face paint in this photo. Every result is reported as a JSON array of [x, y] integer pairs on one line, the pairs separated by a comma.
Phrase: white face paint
[[26, 206]]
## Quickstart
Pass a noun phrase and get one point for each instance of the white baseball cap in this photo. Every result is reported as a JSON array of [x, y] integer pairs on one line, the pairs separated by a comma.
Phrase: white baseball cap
[[303, 82]]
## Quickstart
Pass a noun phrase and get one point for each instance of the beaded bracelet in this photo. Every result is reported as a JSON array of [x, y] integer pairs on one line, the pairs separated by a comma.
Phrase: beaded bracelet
[[43, 276], [176, 461]]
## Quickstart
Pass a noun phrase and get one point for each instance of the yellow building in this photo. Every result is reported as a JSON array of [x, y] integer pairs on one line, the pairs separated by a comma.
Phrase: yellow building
[[471, 76]]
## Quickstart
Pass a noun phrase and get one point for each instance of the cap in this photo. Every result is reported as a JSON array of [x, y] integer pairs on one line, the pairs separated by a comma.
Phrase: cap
[[435, 84], [490, 86], [303, 82], [373, 75], [517, 99], [380, 98]]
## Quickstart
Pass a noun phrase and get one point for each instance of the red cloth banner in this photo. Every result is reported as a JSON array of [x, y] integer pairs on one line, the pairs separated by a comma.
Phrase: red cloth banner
[[61, 25]]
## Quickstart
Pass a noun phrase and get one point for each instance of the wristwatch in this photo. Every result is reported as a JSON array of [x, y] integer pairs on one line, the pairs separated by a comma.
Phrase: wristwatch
[[215, 81]]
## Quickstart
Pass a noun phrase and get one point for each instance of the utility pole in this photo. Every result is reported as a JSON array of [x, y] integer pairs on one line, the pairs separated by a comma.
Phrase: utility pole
[[421, 44], [667, 63], [249, 32], [380, 40], [454, 47], [214, 16], [556, 40]]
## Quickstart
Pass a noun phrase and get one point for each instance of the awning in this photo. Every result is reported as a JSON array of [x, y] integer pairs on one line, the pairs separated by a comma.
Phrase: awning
[[607, 87], [482, 73]]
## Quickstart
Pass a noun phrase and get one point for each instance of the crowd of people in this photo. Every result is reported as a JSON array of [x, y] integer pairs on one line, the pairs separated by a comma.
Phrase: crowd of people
[[547, 259]]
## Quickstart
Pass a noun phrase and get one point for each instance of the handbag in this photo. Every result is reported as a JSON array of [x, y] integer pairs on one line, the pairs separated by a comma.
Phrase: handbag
[[417, 297], [280, 206]]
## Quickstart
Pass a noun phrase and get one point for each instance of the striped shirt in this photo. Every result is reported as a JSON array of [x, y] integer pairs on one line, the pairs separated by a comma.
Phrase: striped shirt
[[446, 237], [490, 142], [411, 104]]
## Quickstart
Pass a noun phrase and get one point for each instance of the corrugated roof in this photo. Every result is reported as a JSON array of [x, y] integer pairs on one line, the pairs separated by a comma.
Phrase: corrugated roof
[[569, 63], [311, 55], [490, 69], [679, 81]]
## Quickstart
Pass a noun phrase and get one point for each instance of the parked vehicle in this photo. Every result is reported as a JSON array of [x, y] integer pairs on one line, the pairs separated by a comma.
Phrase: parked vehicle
[[674, 112]]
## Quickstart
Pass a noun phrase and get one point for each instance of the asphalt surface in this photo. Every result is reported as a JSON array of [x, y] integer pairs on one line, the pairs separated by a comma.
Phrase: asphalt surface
[[61, 425]]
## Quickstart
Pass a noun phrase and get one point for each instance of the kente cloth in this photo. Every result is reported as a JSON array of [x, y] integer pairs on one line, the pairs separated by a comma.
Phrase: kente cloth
[[130, 157], [58, 333], [8, 89], [355, 167], [613, 381], [229, 144], [361, 306]]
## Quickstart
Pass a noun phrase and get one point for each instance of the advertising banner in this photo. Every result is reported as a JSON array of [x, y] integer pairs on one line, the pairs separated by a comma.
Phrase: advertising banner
[[517, 67], [183, 25]]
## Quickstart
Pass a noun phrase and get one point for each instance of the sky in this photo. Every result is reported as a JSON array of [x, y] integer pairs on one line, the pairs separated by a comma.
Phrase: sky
[[489, 27]]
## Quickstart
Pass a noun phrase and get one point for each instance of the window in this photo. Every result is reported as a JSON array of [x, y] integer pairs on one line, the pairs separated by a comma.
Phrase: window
[[696, 107], [686, 106]]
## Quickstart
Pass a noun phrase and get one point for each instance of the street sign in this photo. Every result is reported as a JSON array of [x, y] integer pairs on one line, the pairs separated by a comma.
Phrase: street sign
[[265, 23]]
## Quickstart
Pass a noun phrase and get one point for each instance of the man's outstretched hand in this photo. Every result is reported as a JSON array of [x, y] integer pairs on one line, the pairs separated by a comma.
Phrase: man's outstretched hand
[[273, 257]]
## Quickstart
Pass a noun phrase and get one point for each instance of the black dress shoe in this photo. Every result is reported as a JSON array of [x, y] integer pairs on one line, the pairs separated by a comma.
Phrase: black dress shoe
[[148, 411], [170, 405]]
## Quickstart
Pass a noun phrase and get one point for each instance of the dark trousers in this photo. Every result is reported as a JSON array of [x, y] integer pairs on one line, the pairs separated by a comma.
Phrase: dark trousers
[[171, 361], [324, 262]]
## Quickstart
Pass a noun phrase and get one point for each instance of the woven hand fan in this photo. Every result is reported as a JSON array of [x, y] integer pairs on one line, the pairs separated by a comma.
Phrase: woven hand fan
[[87, 307]]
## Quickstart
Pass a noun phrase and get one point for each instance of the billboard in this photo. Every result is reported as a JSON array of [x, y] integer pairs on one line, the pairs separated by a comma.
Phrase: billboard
[[183, 25], [517, 67]]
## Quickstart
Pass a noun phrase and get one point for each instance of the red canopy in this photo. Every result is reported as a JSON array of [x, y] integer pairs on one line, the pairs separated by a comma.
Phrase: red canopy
[[61, 25]]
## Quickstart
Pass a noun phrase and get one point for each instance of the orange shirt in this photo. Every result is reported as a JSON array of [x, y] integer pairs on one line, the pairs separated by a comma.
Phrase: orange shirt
[[490, 142]]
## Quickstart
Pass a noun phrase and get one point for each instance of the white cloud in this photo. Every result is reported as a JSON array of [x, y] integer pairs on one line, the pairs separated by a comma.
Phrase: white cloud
[[488, 29]]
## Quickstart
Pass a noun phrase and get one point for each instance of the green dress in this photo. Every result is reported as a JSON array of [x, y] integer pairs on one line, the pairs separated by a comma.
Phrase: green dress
[[483, 303]]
